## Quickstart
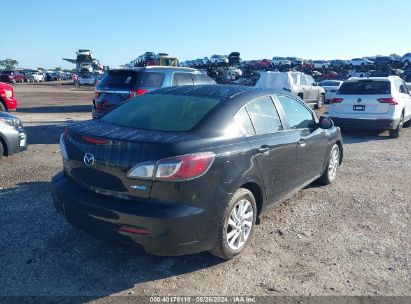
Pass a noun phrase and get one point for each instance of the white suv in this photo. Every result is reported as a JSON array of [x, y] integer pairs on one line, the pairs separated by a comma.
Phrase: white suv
[[379, 103], [281, 62], [360, 62]]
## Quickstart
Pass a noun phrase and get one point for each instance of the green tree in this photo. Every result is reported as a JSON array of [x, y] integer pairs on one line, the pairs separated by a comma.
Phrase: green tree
[[395, 55], [58, 69], [8, 64]]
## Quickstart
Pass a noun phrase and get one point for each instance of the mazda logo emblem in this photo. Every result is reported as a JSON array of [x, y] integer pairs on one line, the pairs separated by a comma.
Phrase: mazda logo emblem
[[89, 160], [359, 100]]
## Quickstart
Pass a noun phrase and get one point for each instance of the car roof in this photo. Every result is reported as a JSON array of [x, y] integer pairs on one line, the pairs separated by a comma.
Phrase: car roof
[[157, 68], [222, 92], [352, 79]]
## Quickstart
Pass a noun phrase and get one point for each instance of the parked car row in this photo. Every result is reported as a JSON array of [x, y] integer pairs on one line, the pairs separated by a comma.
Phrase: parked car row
[[19, 76], [288, 62]]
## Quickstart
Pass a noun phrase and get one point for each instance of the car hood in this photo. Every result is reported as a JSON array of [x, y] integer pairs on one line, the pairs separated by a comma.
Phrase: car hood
[[5, 86]]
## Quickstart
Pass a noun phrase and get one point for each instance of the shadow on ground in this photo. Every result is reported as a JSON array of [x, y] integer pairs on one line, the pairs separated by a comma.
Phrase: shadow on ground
[[360, 136], [57, 109], [41, 254], [46, 134]]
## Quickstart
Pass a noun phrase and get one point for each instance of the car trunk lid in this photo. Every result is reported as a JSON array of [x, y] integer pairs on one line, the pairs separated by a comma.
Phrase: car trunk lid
[[115, 150], [362, 97]]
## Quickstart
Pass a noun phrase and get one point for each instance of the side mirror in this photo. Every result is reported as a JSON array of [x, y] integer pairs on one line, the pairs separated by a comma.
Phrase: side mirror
[[315, 84], [325, 123]]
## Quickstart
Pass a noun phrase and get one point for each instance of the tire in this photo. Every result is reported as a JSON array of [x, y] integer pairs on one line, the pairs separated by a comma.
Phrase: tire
[[235, 232], [1, 150], [320, 102], [397, 131], [2, 107], [330, 172], [407, 124]]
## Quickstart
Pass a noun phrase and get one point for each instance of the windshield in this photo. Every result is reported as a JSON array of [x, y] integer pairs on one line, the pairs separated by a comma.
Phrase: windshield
[[161, 112], [366, 87]]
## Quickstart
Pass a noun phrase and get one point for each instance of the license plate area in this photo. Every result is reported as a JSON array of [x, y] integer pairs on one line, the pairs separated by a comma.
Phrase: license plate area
[[358, 108]]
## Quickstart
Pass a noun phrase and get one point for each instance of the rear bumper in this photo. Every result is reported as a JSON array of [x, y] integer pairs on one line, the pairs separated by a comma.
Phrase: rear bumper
[[175, 229], [366, 124]]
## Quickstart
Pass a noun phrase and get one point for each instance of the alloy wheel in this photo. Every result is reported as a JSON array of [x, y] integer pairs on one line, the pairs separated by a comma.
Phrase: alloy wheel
[[333, 163], [240, 224]]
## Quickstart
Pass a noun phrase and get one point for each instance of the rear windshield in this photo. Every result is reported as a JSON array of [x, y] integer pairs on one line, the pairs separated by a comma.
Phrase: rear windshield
[[365, 87], [161, 112], [330, 83], [128, 80]]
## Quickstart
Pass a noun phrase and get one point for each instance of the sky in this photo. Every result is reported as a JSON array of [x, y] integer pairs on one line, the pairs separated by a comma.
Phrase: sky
[[39, 33]]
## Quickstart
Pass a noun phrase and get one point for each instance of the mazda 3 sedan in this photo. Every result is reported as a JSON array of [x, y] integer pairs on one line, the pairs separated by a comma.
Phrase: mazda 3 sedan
[[190, 169]]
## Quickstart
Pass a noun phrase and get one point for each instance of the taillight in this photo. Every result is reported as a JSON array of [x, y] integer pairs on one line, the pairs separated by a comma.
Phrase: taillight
[[96, 94], [336, 100], [177, 168], [96, 141], [134, 93], [390, 101]]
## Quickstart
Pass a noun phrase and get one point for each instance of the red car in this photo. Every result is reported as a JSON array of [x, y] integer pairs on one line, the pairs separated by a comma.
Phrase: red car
[[265, 64], [11, 76], [7, 100]]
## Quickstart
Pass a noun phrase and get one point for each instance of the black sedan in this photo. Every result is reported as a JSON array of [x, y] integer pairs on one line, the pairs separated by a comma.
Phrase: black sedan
[[189, 169]]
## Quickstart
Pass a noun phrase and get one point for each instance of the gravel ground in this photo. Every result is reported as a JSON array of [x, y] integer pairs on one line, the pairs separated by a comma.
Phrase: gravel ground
[[349, 238]]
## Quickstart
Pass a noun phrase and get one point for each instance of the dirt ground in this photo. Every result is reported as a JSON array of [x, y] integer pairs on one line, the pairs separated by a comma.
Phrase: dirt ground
[[349, 238]]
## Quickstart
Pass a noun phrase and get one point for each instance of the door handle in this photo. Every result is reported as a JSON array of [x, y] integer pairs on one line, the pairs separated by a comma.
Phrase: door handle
[[263, 148], [301, 143]]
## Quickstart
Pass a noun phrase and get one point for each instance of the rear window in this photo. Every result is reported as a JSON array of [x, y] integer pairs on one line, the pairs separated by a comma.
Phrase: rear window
[[153, 112], [202, 79], [131, 79], [119, 79], [330, 83], [365, 88]]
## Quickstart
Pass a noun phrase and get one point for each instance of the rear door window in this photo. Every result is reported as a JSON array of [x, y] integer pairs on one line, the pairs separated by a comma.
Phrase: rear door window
[[264, 116], [242, 119], [202, 79], [365, 87], [297, 115], [182, 79], [150, 79]]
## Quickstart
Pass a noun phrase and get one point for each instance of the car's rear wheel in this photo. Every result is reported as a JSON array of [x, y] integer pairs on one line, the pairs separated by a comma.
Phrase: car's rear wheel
[[2, 107], [237, 225], [397, 131], [408, 123], [1, 149], [330, 172], [320, 102]]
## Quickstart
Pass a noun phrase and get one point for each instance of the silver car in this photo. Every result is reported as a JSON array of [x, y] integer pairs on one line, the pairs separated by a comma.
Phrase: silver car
[[13, 138]]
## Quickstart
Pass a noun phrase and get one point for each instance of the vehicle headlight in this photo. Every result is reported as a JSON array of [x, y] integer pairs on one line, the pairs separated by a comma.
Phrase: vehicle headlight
[[13, 122], [8, 93]]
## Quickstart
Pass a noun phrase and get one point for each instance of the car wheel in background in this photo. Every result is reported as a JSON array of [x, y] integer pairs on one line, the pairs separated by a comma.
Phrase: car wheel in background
[[330, 172], [320, 102], [408, 123], [237, 225], [2, 107], [1, 149], [397, 131]]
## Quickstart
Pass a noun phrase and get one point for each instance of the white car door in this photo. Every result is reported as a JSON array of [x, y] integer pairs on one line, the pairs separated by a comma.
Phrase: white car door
[[405, 97]]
